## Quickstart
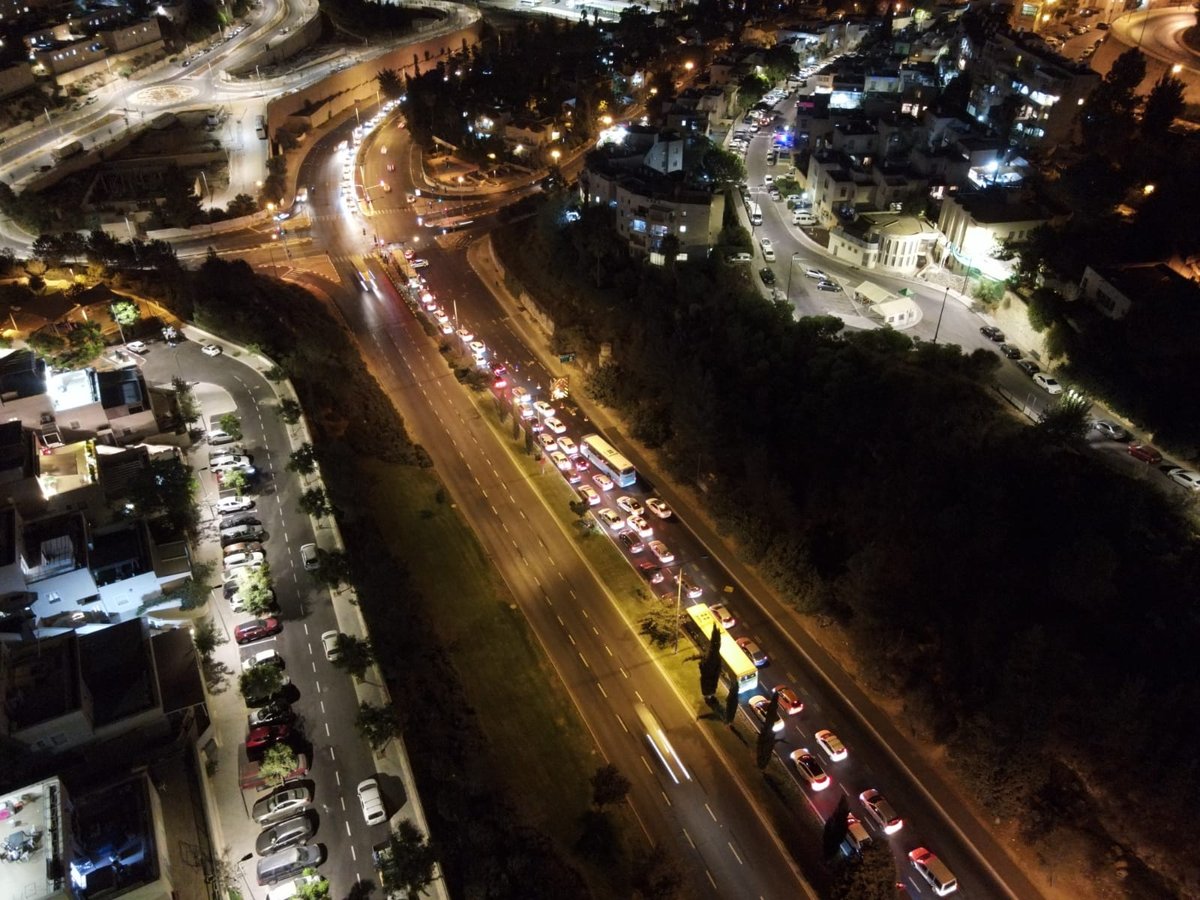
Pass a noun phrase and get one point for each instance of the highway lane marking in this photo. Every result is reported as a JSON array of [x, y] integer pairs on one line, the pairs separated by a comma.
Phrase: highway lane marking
[[571, 638], [327, 732], [596, 631], [666, 799], [607, 649], [562, 576], [585, 612], [349, 833], [343, 799], [494, 511], [622, 721], [572, 593], [710, 812], [689, 838], [337, 774], [710, 879], [561, 622], [332, 754], [646, 764], [602, 690], [623, 672], [354, 857], [583, 659], [733, 850], [550, 559], [638, 694]]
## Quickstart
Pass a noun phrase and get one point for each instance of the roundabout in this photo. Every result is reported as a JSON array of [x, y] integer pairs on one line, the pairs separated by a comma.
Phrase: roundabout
[[162, 95]]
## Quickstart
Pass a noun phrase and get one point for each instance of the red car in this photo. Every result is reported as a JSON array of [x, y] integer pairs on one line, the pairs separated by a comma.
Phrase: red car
[[265, 735], [651, 572], [256, 630], [1145, 453], [788, 701]]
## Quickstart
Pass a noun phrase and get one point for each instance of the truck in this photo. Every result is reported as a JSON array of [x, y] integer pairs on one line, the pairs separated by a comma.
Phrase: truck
[[66, 150], [251, 779]]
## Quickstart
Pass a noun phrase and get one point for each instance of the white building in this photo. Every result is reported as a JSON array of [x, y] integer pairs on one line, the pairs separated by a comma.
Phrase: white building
[[891, 242]]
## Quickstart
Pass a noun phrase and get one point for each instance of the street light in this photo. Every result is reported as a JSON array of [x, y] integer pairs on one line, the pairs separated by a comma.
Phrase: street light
[[791, 266], [940, 311]]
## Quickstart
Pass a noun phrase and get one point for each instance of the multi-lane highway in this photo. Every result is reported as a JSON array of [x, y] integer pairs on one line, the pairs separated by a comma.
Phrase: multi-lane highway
[[592, 645]]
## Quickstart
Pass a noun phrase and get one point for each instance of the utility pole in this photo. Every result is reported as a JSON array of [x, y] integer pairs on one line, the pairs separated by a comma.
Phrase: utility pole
[[678, 605]]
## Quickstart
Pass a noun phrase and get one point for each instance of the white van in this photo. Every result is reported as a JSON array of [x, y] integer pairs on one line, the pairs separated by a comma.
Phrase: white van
[[934, 871], [804, 219]]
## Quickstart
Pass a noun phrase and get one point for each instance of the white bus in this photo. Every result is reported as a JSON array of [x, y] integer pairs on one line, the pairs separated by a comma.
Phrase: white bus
[[608, 460], [739, 668]]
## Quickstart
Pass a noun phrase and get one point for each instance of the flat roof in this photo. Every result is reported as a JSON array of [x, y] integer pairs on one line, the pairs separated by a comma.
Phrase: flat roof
[[42, 681], [116, 667], [36, 812]]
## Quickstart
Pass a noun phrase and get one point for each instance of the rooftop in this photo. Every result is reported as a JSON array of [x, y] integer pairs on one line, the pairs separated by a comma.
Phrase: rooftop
[[22, 374], [66, 468], [73, 389], [116, 667], [114, 836], [33, 815], [1154, 280], [40, 681]]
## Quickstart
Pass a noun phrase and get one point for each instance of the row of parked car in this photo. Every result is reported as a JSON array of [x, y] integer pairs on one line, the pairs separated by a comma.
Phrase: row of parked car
[[1181, 475]]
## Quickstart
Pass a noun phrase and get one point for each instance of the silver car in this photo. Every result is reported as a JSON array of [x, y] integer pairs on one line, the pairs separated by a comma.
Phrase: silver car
[[289, 833]]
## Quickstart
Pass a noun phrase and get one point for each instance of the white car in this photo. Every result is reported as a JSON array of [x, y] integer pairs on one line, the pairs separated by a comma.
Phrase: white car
[[641, 526], [478, 349], [722, 614], [1187, 478], [309, 558], [567, 446], [768, 249], [547, 441], [659, 508], [816, 273], [759, 704], [561, 461], [372, 802], [136, 347], [589, 495], [262, 657], [466, 336], [631, 506], [1047, 383], [881, 811], [545, 410], [832, 745], [211, 350], [611, 519], [661, 552], [329, 643], [418, 263], [236, 561], [554, 425], [233, 504], [602, 481], [768, 180]]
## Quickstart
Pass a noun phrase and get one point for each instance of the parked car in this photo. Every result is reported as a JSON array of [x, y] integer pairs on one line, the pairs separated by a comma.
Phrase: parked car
[[1145, 453], [1010, 351], [1048, 383], [1028, 366], [211, 350], [233, 505], [281, 805], [371, 801], [256, 630], [767, 276], [330, 644], [289, 833], [1110, 430], [1188, 478], [992, 333]]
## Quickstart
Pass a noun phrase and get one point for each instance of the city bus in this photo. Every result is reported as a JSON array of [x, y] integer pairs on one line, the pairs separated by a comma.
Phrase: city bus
[[739, 668], [608, 460], [656, 737]]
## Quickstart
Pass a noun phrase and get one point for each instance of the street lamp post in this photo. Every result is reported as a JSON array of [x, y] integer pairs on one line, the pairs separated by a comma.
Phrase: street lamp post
[[678, 605], [791, 266], [940, 311]]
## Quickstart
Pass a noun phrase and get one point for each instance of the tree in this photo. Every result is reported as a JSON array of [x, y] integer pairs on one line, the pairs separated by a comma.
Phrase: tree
[[185, 400], [206, 637], [1107, 117], [836, 828], [710, 665], [333, 568], [254, 587], [124, 312], [1067, 421], [407, 865], [278, 763], [723, 167], [231, 424], [870, 877], [165, 488], [1163, 106], [354, 655], [732, 703], [377, 724], [83, 343], [235, 480], [660, 625], [303, 460], [290, 411], [317, 889], [609, 786], [764, 748], [390, 84], [655, 875], [260, 683], [313, 502], [242, 205], [48, 248]]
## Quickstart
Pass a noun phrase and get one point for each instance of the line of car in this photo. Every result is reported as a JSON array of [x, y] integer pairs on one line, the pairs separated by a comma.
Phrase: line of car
[[625, 521], [1182, 476]]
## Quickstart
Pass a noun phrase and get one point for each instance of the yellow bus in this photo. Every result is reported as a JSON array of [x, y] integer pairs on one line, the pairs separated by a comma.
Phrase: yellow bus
[[739, 668]]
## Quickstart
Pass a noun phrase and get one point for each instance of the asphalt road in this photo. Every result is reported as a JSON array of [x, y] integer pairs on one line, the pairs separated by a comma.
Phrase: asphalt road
[[708, 821], [324, 698]]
